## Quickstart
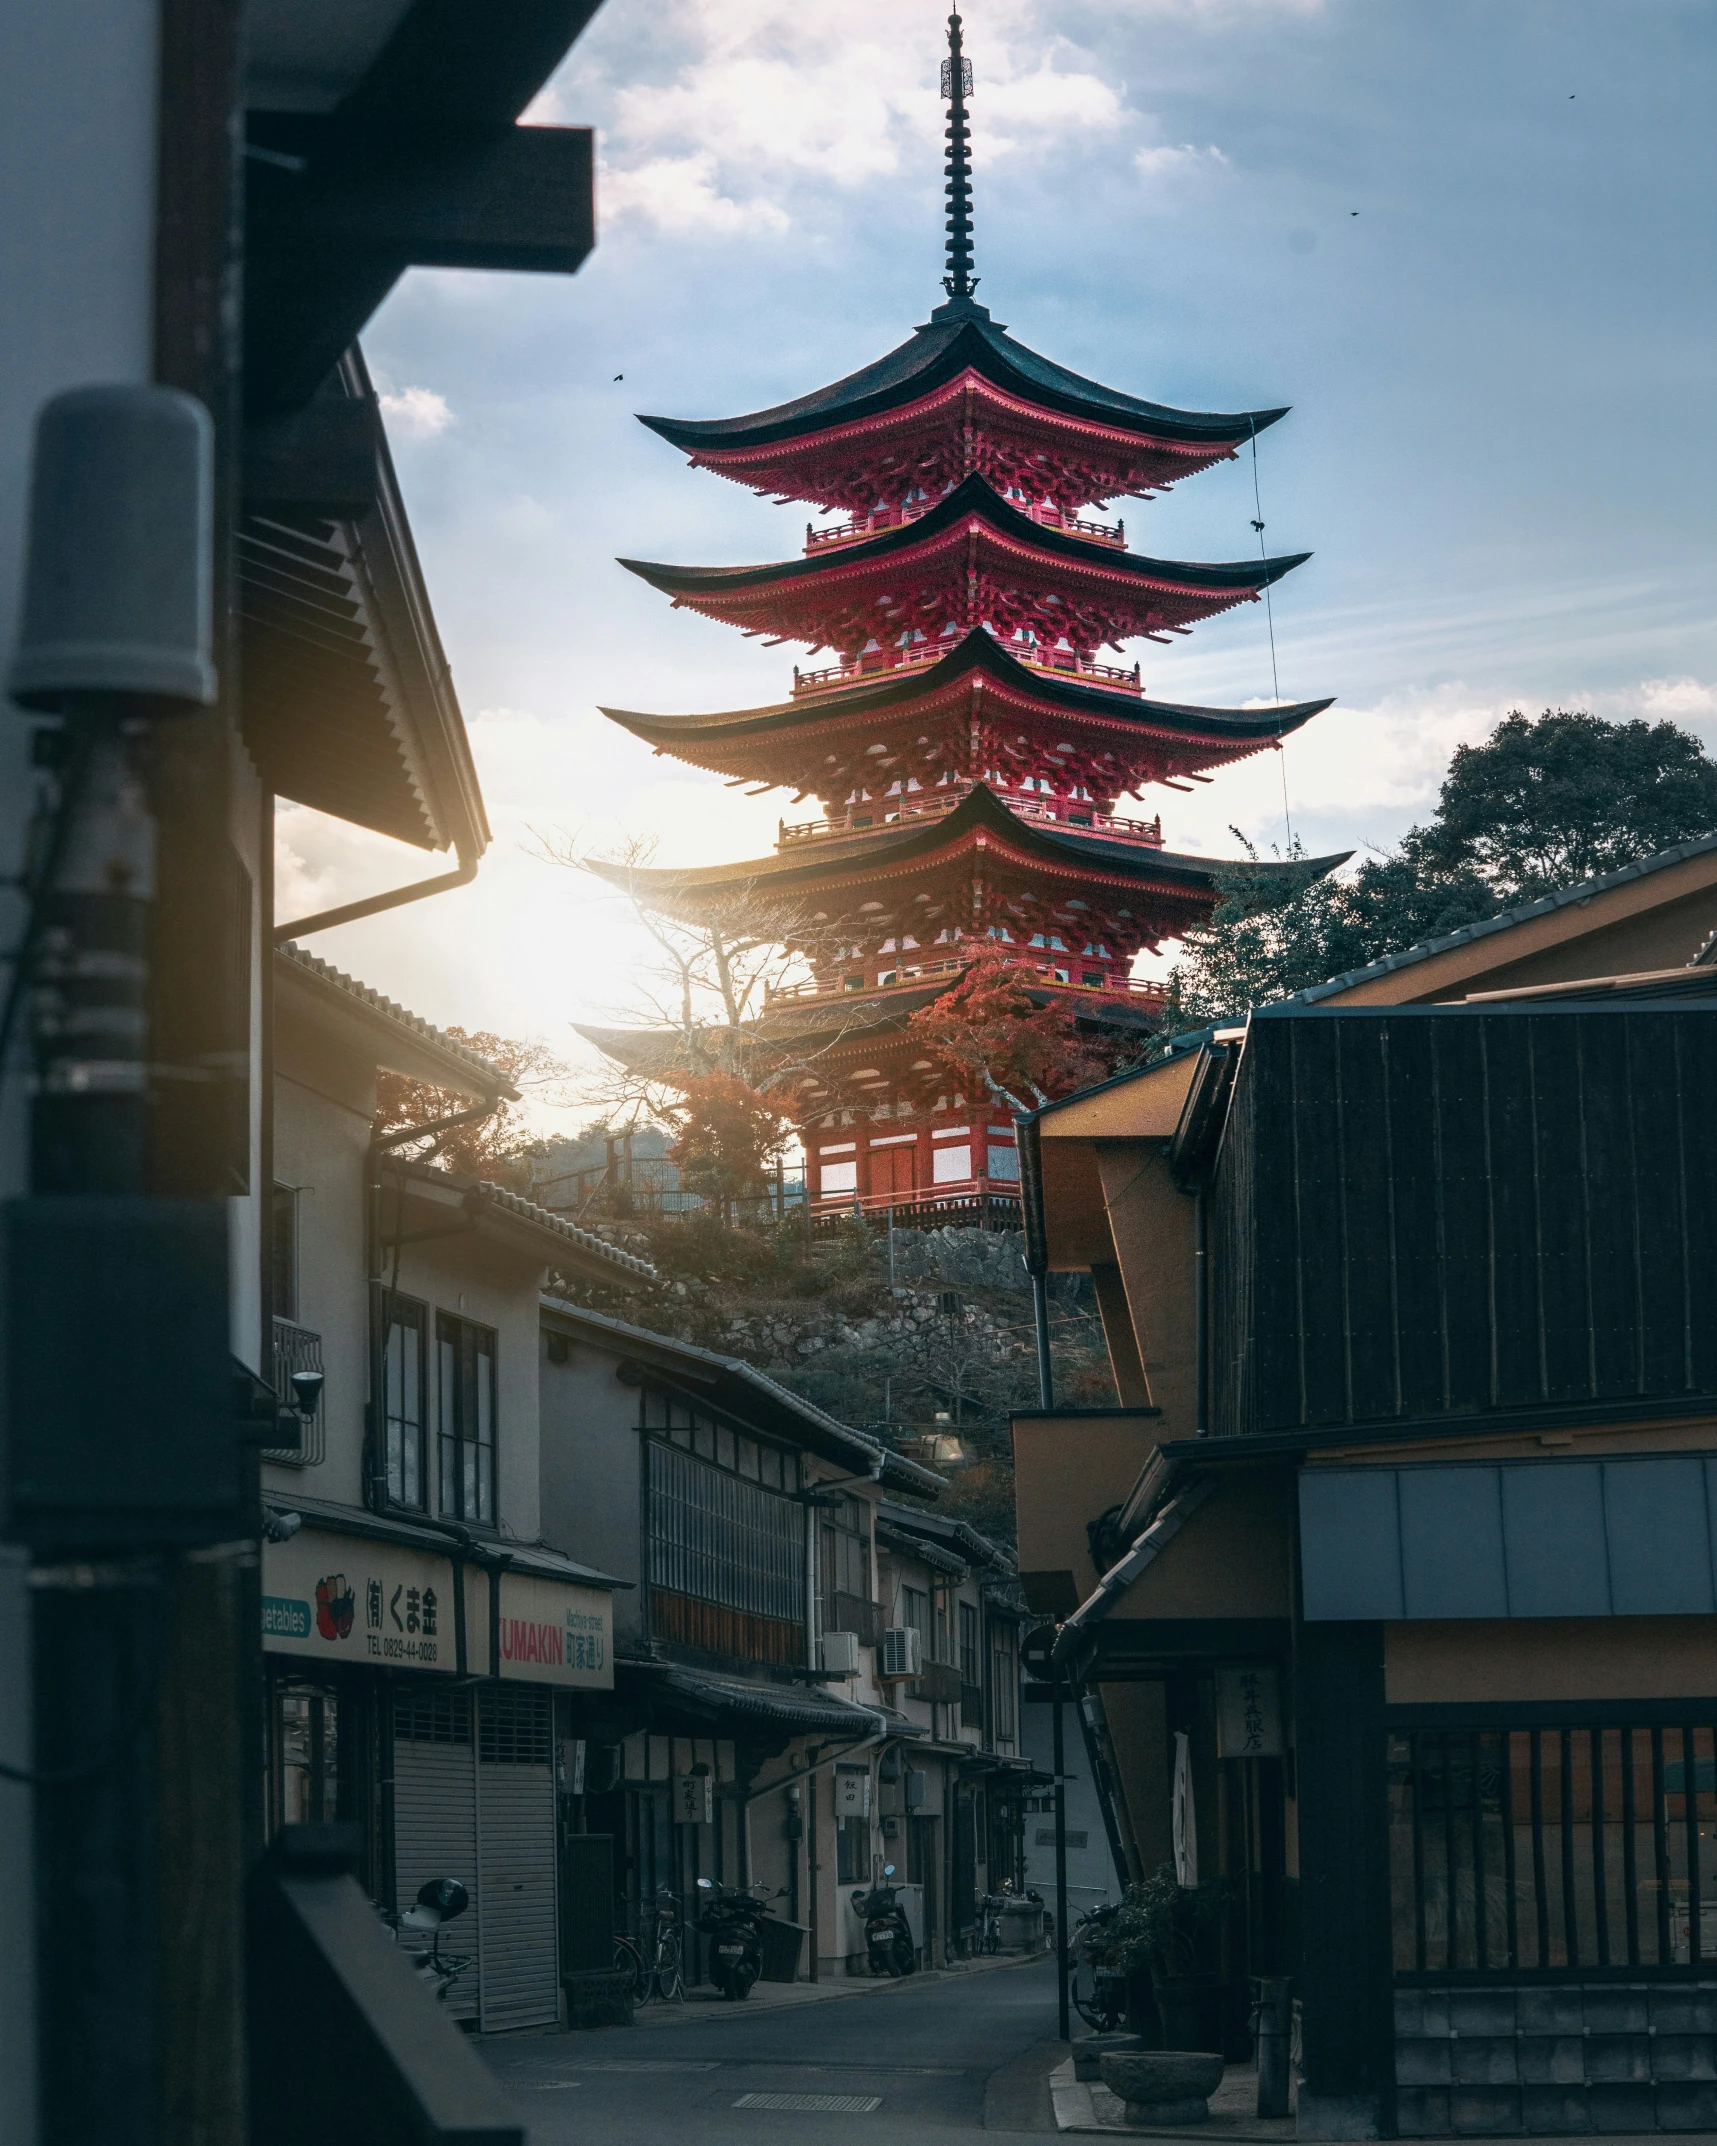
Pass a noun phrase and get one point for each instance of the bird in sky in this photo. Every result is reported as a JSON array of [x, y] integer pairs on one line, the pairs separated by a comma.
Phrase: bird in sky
[[619, 376]]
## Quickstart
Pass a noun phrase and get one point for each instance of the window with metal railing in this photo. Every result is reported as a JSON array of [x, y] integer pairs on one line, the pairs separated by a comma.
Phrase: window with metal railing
[[296, 1348], [721, 1539], [1004, 1683], [1553, 1850]]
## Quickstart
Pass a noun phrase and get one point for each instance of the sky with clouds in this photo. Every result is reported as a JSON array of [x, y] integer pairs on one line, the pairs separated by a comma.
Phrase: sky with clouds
[[1467, 240]]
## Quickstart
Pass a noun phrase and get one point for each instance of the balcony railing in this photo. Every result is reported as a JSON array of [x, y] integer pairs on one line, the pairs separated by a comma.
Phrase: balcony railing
[[914, 979], [853, 1613], [296, 1348], [878, 662], [932, 804], [939, 1682], [1044, 512]]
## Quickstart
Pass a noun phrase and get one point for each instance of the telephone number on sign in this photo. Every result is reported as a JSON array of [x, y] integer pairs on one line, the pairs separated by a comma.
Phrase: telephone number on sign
[[404, 1650]]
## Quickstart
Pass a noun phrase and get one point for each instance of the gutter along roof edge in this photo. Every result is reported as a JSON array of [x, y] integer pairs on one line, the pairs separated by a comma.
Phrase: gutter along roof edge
[[311, 968], [534, 1560]]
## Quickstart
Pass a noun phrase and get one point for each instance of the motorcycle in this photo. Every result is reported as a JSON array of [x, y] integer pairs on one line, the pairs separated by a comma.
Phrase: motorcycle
[[731, 1919], [887, 1933]]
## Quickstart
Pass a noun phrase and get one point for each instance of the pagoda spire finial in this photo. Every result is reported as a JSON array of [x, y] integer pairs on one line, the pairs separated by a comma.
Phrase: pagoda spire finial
[[959, 282]]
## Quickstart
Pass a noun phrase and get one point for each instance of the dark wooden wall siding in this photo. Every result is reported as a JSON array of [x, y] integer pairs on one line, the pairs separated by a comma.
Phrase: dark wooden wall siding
[[1444, 1211], [1345, 1978]]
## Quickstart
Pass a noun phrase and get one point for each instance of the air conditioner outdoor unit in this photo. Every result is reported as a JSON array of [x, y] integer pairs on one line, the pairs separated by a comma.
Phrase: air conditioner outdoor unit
[[841, 1653], [902, 1652]]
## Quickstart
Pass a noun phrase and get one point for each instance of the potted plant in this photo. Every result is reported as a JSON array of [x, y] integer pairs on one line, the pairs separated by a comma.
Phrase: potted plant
[[1157, 1933]]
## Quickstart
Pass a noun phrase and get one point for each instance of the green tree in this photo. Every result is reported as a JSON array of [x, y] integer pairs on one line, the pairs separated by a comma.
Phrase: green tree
[[1544, 803], [1541, 804]]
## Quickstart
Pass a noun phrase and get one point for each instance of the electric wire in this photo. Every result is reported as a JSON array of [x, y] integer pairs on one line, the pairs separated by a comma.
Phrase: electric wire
[[1270, 623]]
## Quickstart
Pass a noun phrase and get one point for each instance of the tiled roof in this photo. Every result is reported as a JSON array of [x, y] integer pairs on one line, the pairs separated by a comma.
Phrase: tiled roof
[[544, 1218], [490, 1077]]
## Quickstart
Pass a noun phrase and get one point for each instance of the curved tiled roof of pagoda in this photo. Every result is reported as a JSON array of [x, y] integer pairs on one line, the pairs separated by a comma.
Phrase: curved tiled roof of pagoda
[[822, 743], [832, 1034], [904, 421], [974, 559], [1182, 889]]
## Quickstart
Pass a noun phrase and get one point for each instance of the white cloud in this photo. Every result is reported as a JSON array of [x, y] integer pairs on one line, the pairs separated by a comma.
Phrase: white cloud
[[682, 194], [1165, 159], [416, 413], [1677, 700]]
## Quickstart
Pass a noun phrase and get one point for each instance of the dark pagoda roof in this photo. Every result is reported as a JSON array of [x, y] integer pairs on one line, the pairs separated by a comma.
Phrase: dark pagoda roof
[[690, 891], [975, 654], [958, 337], [1030, 575]]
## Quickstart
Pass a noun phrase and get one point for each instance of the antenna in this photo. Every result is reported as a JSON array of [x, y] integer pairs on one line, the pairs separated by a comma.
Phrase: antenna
[[959, 282]]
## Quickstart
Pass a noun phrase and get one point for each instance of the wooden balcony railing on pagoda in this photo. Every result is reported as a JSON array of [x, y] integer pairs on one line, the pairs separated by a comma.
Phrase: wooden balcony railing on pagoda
[[932, 804], [1134, 991], [1045, 513], [878, 662]]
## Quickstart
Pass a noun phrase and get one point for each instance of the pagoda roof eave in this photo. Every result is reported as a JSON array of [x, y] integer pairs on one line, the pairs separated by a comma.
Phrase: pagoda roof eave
[[977, 651], [972, 496], [981, 811], [937, 352]]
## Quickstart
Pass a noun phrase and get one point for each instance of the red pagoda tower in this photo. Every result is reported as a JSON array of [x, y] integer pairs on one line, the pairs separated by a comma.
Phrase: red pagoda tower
[[967, 748]]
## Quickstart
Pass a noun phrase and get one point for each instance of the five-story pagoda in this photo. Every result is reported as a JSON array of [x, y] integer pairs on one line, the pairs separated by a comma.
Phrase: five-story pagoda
[[967, 748]]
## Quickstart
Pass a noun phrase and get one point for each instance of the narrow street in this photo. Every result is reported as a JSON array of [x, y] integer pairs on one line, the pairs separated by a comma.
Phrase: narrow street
[[944, 2061]]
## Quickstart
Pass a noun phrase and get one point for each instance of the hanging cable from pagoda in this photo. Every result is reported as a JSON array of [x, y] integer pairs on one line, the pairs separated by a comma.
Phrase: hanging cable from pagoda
[[959, 282]]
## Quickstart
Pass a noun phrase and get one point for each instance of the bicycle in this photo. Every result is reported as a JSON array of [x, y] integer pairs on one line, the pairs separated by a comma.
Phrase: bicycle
[[662, 1975], [1099, 1990]]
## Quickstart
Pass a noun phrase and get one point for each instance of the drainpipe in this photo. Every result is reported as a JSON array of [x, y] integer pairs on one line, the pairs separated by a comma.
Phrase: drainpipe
[[1201, 1291], [1040, 1320], [374, 904]]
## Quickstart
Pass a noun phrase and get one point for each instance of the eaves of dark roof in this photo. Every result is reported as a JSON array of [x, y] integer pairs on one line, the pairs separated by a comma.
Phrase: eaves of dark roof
[[540, 1559], [788, 1413], [948, 1531], [937, 352], [905, 1542], [557, 1235], [1545, 905], [976, 651], [754, 1700], [488, 1079], [902, 842], [973, 495]]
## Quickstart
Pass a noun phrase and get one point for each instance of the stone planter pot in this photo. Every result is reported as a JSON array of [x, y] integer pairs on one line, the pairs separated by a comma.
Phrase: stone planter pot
[[1090, 2048], [1168, 2087]]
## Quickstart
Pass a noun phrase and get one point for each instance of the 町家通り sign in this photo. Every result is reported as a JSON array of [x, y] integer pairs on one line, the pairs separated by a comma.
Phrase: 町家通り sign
[[552, 1632], [345, 1599]]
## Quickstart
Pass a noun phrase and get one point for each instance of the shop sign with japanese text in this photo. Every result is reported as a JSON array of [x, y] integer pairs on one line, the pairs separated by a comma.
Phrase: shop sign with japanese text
[[1248, 1714], [342, 1599], [551, 1633]]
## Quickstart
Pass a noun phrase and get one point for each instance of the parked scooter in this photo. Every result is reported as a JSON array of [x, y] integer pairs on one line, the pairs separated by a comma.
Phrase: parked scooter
[[439, 1900], [731, 1920], [887, 1933]]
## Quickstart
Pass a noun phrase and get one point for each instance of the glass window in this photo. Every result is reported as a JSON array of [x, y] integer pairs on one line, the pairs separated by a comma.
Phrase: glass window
[[770, 1465], [703, 1439], [968, 1643], [306, 1744], [681, 1434], [1004, 1683], [725, 1454], [852, 1851], [466, 1367], [748, 1460], [403, 1323]]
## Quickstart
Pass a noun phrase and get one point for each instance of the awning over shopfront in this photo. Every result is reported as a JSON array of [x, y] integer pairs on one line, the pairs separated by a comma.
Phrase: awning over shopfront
[[783, 1708], [340, 1598]]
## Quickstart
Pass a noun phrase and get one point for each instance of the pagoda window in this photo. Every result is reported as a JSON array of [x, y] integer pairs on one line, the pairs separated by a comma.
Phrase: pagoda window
[[1091, 976], [887, 976], [853, 983]]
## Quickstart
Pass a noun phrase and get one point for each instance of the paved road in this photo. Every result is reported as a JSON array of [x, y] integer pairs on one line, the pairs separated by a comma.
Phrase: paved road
[[930, 2056]]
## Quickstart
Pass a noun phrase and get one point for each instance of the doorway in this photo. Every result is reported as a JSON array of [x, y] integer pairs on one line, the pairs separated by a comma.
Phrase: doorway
[[894, 1170], [921, 1870]]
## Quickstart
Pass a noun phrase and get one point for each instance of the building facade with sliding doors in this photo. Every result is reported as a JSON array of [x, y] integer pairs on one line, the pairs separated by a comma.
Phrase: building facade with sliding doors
[[1415, 1609], [423, 1642]]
